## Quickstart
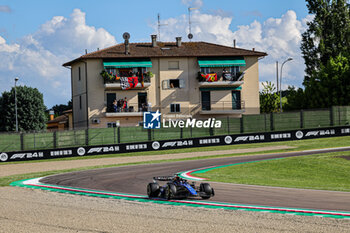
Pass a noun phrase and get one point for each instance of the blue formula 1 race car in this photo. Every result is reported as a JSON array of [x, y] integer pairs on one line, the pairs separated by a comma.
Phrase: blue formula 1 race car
[[178, 188]]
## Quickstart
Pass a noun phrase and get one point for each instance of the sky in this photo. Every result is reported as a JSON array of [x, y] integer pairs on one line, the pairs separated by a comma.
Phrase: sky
[[37, 37]]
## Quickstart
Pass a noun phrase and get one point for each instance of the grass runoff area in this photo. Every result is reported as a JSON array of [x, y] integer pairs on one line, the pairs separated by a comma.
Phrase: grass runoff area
[[323, 172], [331, 164]]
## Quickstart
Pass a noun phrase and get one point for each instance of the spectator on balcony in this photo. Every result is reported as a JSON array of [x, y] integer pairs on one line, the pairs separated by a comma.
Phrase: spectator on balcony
[[226, 75], [125, 104], [120, 105], [115, 105]]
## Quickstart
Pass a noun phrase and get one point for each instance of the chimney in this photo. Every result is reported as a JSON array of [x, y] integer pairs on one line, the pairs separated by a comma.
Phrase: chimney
[[127, 48], [154, 40], [234, 43], [52, 114], [253, 49], [178, 41]]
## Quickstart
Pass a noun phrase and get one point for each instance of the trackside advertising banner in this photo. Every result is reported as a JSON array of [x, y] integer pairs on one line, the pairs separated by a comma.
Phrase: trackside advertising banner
[[175, 144]]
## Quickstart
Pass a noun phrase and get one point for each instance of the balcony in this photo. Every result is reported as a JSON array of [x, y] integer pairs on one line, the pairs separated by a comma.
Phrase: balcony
[[116, 84], [137, 81], [222, 107], [120, 109], [221, 80]]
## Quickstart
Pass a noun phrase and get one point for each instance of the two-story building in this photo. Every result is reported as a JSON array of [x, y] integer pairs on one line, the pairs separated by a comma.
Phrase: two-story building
[[180, 79]]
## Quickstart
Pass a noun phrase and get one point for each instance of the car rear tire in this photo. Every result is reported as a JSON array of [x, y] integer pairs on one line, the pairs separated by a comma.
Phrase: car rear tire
[[153, 190], [171, 191], [207, 189]]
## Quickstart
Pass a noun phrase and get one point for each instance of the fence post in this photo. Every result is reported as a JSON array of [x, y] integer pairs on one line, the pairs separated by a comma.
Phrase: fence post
[[272, 126], [34, 139], [331, 116], [22, 141], [241, 124], [301, 119], [87, 137], [118, 130], [211, 131], [149, 134], [114, 138], [55, 139], [228, 125]]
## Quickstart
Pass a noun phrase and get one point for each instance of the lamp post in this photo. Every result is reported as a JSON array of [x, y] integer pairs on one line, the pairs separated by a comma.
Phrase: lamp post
[[289, 59], [16, 79]]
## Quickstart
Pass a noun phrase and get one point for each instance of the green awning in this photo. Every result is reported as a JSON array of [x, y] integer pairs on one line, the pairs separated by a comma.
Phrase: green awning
[[221, 62], [127, 63]]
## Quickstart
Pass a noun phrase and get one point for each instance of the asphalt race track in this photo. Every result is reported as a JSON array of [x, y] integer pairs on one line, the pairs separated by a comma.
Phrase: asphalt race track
[[133, 180]]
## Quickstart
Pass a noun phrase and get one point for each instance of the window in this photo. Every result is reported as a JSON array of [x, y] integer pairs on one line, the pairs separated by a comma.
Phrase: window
[[205, 70], [111, 125], [80, 102], [173, 83], [112, 71], [173, 65], [236, 100], [79, 71], [234, 70], [174, 107]]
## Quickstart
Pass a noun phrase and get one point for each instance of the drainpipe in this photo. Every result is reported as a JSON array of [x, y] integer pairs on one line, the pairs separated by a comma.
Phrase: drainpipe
[[86, 91], [71, 86]]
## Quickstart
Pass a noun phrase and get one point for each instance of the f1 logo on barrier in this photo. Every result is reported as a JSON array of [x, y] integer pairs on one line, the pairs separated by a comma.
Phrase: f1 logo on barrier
[[151, 120]]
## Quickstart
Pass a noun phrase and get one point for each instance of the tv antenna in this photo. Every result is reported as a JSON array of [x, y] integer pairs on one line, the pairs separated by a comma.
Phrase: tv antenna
[[160, 25], [190, 35]]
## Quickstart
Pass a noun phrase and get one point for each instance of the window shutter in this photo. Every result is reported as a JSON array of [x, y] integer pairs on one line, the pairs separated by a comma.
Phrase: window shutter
[[177, 107], [165, 84], [182, 83]]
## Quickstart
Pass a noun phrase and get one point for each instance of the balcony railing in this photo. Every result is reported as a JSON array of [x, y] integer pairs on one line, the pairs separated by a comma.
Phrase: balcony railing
[[222, 107], [129, 109], [114, 83], [146, 79], [221, 79]]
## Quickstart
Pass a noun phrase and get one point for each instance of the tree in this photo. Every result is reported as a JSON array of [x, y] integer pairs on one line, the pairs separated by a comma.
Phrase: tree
[[295, 99], [325, 44], [30, 110], [269, 99], [332, 87], [59, 109]]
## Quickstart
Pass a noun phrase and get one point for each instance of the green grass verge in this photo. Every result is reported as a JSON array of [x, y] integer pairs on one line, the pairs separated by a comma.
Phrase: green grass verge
[[297, 146], [323, 172]]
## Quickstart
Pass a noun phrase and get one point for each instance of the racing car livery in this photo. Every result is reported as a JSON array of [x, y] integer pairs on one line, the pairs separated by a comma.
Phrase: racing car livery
[[178, 188]]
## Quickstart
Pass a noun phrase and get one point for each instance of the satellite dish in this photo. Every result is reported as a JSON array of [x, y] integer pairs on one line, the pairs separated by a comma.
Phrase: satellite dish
[[126, 36], [190, 36]]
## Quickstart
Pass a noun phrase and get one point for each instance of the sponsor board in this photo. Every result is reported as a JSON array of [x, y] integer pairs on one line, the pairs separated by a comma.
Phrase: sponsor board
[[174, 144]]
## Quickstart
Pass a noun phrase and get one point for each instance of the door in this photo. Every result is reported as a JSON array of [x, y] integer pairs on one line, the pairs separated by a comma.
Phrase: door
[[206, 101], [236, 100], [142, 102], [110, 99]]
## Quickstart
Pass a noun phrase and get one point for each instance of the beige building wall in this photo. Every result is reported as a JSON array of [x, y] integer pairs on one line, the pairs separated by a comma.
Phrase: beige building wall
[[79, 95], [250, 88], [163, 69]]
